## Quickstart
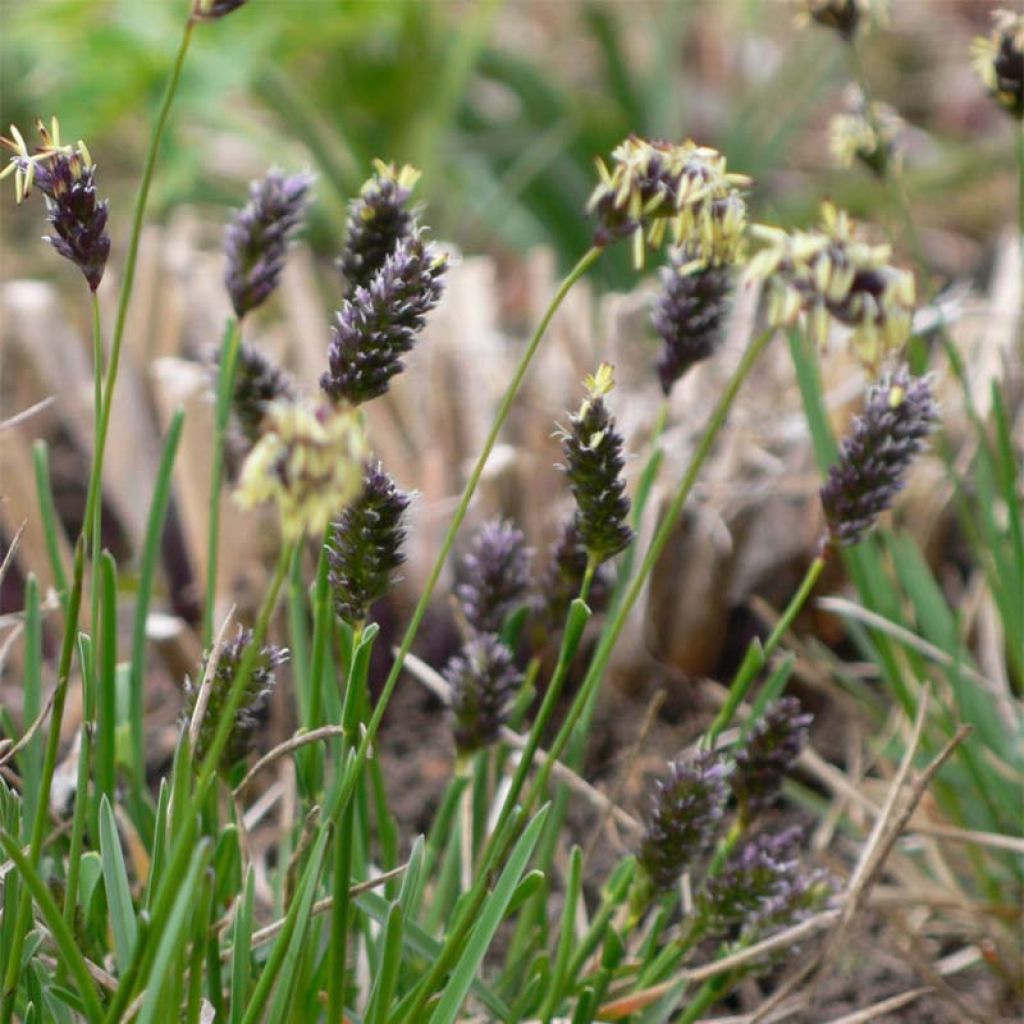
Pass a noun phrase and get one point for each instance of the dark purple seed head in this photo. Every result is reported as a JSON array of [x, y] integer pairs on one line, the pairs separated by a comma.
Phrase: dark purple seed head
[[256, 241], [364, 546], [483, 680], [690, 313], [768, 755], [592, 447], [898, 416], [686, 813], [257, 691], [494, 576], [378, 325], [378, 220]]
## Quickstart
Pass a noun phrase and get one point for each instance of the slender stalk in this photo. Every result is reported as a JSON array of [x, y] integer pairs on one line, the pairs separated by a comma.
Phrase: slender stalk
[[226, 373], [574, 275], [89, 524], [343, 840], [97, 524], [669, 521], [757, 655]]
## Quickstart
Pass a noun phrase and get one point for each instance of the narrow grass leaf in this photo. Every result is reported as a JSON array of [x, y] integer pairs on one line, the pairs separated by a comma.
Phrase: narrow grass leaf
[[119, 895], [491, 915], [69, 954], [173, 938]]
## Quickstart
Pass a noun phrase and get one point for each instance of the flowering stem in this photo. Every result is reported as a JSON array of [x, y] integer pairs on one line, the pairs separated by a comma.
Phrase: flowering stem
[[89, 525], [574, 275], [757, 655], [661, 538], [225, 390]]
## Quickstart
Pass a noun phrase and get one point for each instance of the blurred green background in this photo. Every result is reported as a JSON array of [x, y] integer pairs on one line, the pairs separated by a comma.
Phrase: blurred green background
[[504, 105]]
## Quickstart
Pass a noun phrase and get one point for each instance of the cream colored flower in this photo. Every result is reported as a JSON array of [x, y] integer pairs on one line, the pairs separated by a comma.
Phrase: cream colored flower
[[999, 61], [828, 273], [309, 462], [652, 187], [866, 132]]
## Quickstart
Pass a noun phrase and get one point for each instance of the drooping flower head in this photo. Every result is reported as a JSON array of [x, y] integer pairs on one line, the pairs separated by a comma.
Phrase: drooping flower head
[[867, 132], [364, 545], [592, 447], [378, 220], [898, 415], [828, 272], [483, 680], [690, 312], [999, 61], [494, 576], [378, 325], [652, 187], [768, 754], [66, 176], [847, 17], [259, 382], [309, 462], [256, 241], [257, 689], [212, 10], [686, 812]]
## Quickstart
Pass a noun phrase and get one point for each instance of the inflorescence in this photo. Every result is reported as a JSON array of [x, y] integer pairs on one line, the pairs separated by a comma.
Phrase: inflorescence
[[686, 812], [256, 241], [592, 447], [690, 313], [483, 679], [66, 176], [378, 325], [364, 545], [308, 461], [259, 382], [767, 756], [259, 684], [828, 273], [652, 187], [898, 415], [847, 17], [867, 132], [999, 61], [494, 577], [378, 220]]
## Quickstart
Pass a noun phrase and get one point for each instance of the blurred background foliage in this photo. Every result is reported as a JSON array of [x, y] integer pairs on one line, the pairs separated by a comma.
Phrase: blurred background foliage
[[504, 105]]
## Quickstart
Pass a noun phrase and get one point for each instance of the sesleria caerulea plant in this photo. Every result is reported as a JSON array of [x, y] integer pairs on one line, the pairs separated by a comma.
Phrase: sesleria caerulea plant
[[184, 927]]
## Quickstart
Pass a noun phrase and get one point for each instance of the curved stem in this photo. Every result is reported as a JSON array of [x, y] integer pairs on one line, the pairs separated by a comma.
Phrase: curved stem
[[669, 521], [588, 259]]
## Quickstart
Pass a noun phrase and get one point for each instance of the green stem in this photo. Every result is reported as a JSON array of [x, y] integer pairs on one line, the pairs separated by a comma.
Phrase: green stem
[[345, 792], [97, 523], [342, 864], [757, 655], [225, 392], [709, 993], [91, 518], [661, 538]]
